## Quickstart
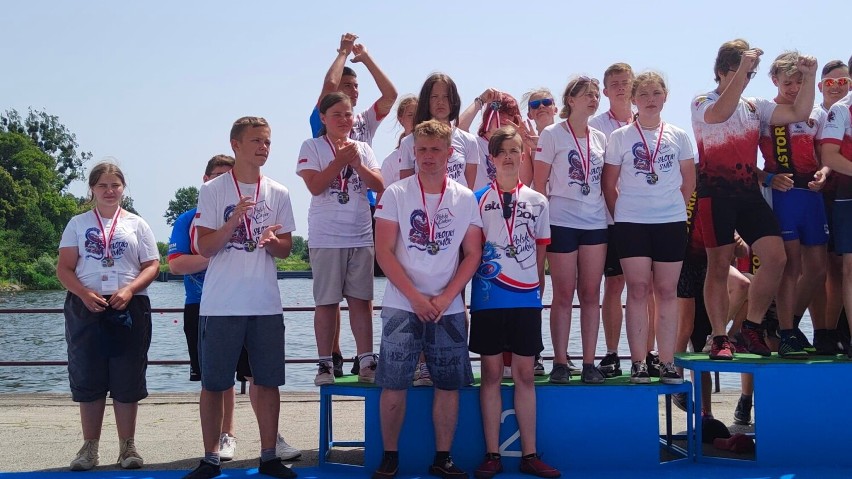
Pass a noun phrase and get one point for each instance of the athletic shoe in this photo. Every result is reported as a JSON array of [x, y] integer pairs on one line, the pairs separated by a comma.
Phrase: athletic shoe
[[275, 468], [792, 348], [356, 366], [205, 470], [533, 465], [652, 360], [87, 456], [337, 365], [824, 343], [571, 367], [324, 375], [560, 374], [128, 458], [592, 375], [447, 470], [284, 451], [739, 343], [367, 370], [489, 468], [742, 414], [803, 338], [422, 376], [610, 365], [538, 366], [639, 373], [679, 400], [669, 375], [227, 447], [507, 372], [721, 348], [708, 345], [754, 340], [388, 468]]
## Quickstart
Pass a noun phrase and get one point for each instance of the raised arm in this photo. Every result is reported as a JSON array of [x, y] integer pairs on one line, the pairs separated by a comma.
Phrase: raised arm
[[729, 98], [386, 88], [331, 83], [801, 108]]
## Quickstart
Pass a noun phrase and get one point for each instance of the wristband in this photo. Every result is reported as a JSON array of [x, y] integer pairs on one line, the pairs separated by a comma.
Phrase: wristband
[[767, 182], [478, 101]]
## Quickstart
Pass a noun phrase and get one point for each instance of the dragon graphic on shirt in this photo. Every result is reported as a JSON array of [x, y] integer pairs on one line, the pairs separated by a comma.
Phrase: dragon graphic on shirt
[[575, 169]]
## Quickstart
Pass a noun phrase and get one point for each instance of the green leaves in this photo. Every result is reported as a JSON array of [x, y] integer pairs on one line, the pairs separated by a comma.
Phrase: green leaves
[[185, 199]]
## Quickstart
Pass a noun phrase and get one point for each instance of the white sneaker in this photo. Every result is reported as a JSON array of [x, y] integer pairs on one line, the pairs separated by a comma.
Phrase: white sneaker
[[708, 345], [128, 458], [422, 376], [367, 369], [507, 372], [227, 447], [284, 451], [324, 374], [87, 456]]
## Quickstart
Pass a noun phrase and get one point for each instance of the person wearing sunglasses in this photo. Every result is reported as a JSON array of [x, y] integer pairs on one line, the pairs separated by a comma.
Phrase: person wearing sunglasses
[[794, 175], [439, 100], [505, 299], [828, 301], [727, 130], [648, 179], [568, 166], [541, 109]]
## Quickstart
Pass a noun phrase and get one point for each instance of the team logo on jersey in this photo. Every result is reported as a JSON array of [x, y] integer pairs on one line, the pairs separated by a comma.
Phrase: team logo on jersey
[[751, 107], [575, 169], [811, 123], [418, 234], [641, 162], [239, 236], [260, 212], [830, 116], [94, 245], [700, 100]]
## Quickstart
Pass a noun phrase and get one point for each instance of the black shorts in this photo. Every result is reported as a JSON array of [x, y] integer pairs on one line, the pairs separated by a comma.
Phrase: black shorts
[[190, 330], [747, 214], [106, 357], [663, 242], [612, 265], [515, 330], [693, 272], [568, 240]]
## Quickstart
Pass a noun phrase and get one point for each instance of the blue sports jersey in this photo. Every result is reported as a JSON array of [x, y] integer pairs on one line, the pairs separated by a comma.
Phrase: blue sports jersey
[[180, 243]]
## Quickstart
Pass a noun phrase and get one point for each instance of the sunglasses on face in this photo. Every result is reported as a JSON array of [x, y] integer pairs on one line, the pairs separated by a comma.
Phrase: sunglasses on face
[[581, 83], [535, 104], [831, 82], [507, 205]]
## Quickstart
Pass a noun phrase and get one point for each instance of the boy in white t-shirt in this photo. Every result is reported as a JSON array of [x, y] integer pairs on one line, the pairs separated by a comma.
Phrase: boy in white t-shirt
[[421, 223], [244, 222]]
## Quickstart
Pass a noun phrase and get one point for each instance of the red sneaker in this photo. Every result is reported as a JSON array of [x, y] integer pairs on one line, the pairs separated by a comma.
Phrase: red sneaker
[[489, 468], [754, 341], [535, 466], [721, 348]]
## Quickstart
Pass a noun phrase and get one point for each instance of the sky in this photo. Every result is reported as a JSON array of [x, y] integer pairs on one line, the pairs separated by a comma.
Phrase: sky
[[156, 85]]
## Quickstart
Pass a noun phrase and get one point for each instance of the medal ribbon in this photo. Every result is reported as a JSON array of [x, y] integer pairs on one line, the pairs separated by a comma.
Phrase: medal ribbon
[[644, 142], [614, 119], [246, 219], [431, 224], [586, 160], [510, 226], [342, 179], [107, 239]]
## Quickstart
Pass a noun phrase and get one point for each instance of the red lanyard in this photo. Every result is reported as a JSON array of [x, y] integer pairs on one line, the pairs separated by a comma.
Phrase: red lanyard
[[510, 225], [107, 238], [613, 118], [246, 219], [647, 150], [586, 160], [343, 181], [431, 224]]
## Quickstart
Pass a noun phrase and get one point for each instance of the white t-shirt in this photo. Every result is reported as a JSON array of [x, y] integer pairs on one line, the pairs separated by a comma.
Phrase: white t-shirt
[[606, 123], [465, 151], [332, 224], [390, 168], [486, 172], [569, 207], [640, 201], [240, 282], [132, 244], [727, 151], [402, 203]]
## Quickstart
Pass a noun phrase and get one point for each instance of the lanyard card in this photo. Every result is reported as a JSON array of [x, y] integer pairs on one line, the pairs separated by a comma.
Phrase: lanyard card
[[109, 281]]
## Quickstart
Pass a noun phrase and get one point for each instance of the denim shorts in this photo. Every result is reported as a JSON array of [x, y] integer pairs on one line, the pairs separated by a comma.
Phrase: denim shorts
[[221, 338], [444, 343]]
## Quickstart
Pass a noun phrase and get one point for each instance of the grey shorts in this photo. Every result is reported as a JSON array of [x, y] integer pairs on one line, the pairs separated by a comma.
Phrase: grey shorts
[[221, 338], [444, 343], [104, 357], [340, 272]]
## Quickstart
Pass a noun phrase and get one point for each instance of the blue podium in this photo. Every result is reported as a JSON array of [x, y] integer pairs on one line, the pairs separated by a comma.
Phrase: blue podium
[[800, 417], [574, 429]]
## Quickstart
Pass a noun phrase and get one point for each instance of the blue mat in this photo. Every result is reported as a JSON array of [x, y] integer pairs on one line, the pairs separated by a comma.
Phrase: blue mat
[[691, 471]]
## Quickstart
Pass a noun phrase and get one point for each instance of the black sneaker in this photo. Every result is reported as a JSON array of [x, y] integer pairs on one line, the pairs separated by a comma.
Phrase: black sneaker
[[205, 470], [388, 468], [792, 348], [447, 470], [742, 414], [538, 366], [610, 365], [652, 360], [592, 375], [824, 343], [337, 365], [639, 373], [275, 468], [356, 365], [669, 375]]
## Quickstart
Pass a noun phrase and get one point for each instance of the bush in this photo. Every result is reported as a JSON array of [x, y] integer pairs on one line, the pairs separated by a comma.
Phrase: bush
[[40, 274]]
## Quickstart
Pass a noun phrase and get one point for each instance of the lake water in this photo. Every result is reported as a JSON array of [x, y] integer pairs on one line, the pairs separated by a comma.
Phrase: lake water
[[41, 337]]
